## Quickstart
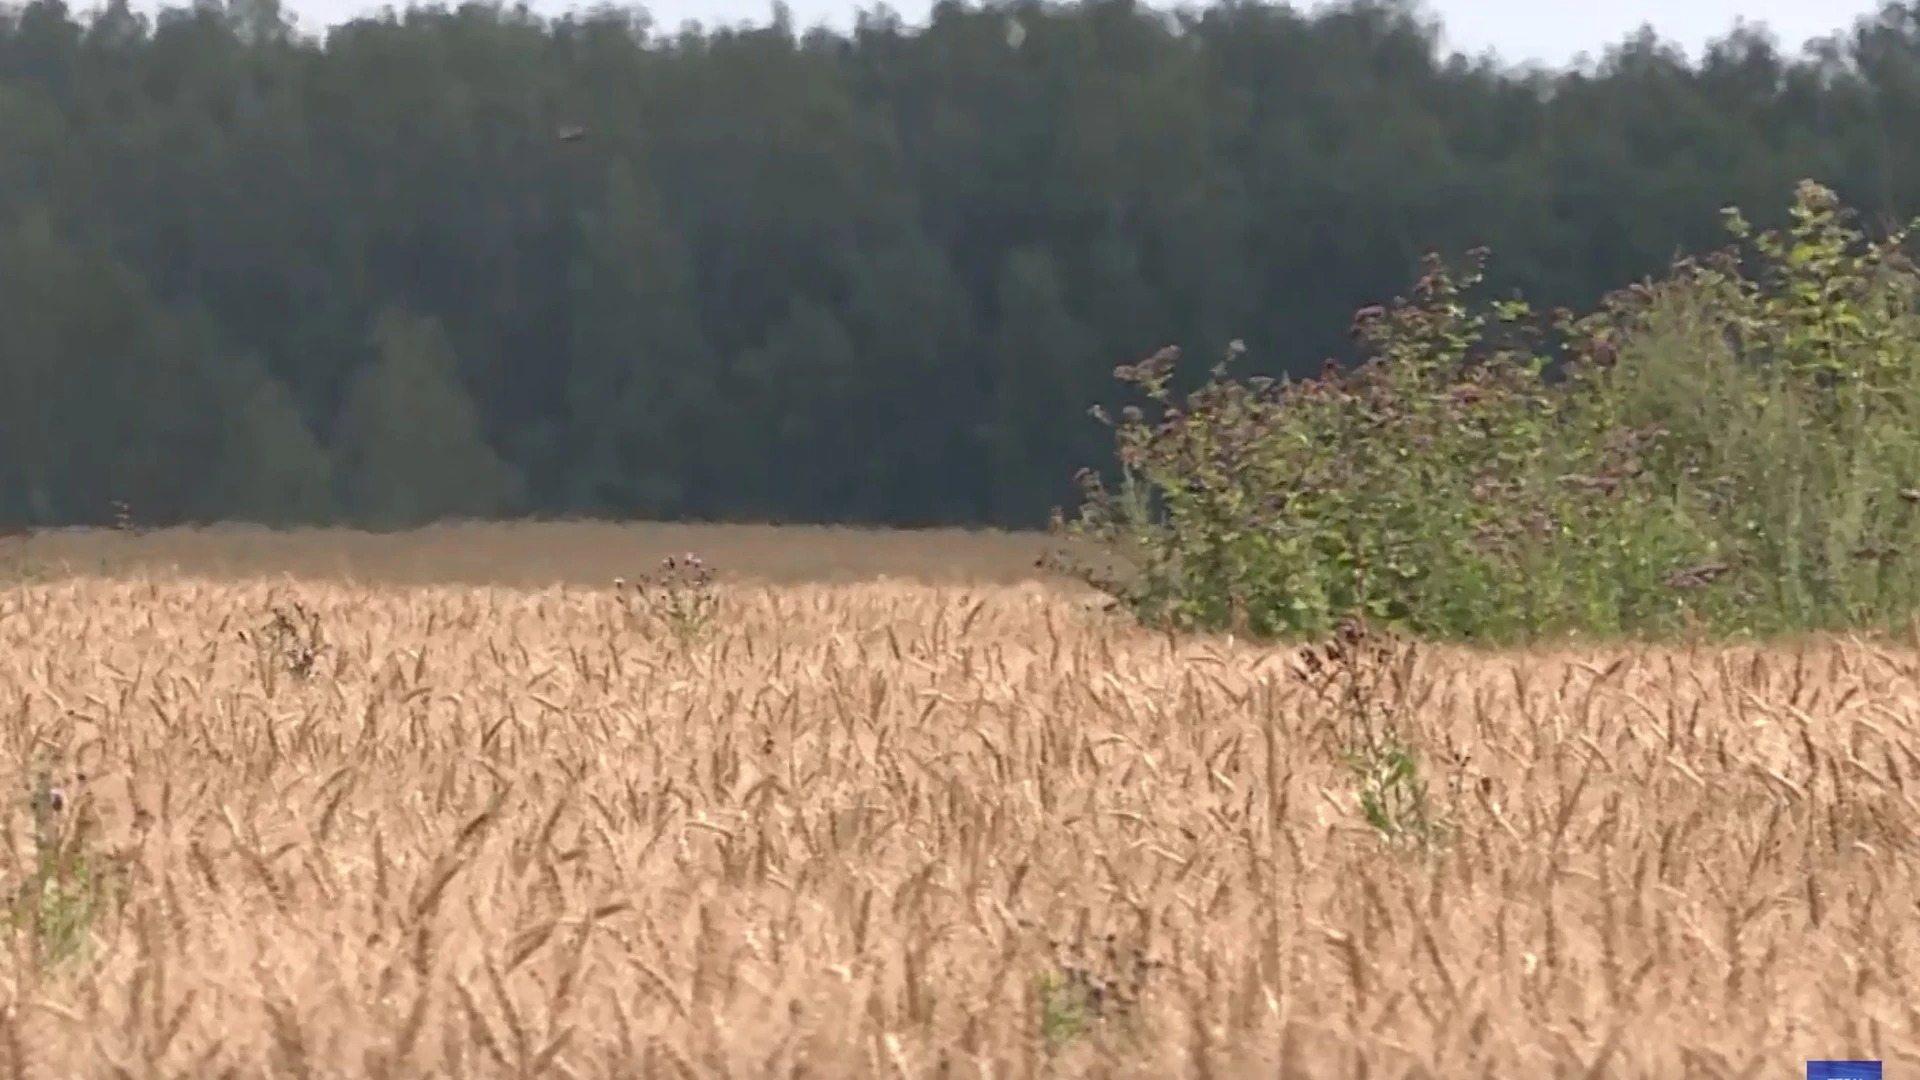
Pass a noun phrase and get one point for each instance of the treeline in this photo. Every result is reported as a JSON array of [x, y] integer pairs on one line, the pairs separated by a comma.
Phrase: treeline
[[473, 263]]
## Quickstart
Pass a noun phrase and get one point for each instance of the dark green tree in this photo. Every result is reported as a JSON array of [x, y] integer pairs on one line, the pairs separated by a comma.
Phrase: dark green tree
[[1043, 376], [408, 448], [640, 376]]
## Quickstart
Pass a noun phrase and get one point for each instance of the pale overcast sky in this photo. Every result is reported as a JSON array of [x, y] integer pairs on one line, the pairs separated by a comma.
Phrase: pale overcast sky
[[1550, 31], [1554, 31]]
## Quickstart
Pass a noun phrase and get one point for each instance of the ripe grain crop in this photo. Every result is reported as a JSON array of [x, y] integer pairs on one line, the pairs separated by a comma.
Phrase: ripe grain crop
[[529, 554], [904, 830]]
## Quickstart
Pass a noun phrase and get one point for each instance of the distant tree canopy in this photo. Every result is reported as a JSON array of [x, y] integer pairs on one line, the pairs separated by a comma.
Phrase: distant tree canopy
[[478, 262]]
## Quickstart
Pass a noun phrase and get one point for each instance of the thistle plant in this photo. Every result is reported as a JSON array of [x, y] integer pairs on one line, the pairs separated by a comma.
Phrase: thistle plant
[[681, 599]]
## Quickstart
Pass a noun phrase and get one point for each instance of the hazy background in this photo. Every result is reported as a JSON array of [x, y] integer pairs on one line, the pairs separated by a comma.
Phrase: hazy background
[[366, 281], [1519, 30]]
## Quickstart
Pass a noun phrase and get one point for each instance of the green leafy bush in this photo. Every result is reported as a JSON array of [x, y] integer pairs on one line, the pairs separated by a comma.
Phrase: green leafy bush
[[1732, 449]]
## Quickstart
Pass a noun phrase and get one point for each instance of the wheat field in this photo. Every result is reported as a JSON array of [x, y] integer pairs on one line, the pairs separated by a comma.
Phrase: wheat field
[[532, 553], [901, 829]]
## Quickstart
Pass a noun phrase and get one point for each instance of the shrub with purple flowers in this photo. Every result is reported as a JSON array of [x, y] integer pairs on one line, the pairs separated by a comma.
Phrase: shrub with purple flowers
[[1727, 449]]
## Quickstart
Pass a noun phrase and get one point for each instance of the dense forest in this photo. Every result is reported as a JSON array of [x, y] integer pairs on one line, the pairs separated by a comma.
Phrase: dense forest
[[476, 262]]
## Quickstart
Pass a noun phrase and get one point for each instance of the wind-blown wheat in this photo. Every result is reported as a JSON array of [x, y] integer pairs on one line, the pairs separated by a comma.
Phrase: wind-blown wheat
[[893, 830]]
